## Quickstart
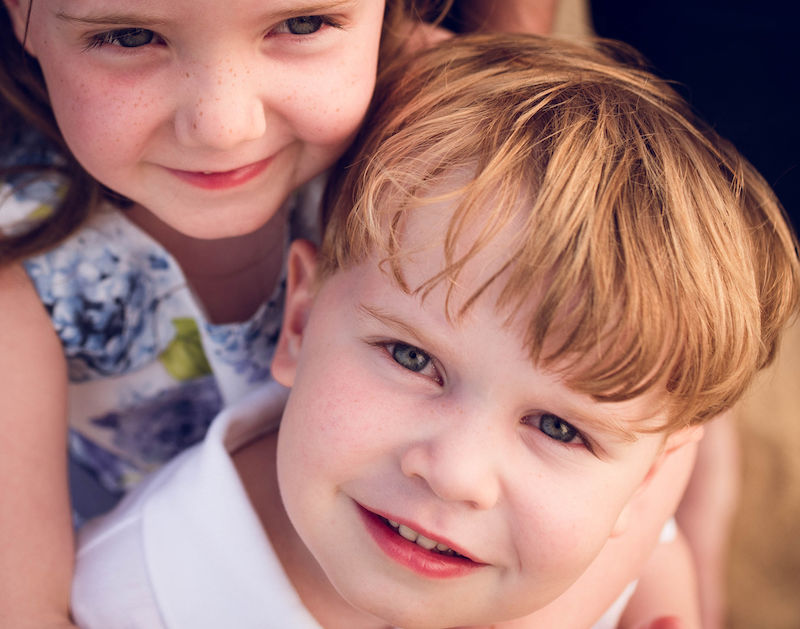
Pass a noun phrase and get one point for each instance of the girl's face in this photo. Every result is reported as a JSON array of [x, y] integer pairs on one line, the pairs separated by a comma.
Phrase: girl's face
[[206, 113]]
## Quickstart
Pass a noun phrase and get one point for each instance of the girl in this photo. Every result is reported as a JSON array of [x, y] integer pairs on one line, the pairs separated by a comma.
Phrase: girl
[[162, 142]]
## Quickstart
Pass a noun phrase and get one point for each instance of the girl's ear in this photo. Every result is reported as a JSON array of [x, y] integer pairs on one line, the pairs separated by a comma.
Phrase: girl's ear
[[18, 13], [300, 290]]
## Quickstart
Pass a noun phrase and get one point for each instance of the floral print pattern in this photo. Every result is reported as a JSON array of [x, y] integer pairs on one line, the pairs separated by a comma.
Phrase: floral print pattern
[[102, 304], [147, 371]]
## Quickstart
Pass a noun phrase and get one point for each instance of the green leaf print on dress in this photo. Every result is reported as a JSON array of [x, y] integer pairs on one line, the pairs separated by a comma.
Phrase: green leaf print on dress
[[184, 357]]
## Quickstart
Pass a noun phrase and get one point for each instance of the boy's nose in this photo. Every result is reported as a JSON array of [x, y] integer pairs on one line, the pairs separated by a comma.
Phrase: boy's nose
[[220, 108], [459, 465]]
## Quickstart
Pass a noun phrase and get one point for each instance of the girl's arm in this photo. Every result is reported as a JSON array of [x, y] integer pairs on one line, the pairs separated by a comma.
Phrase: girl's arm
[[36, 539]]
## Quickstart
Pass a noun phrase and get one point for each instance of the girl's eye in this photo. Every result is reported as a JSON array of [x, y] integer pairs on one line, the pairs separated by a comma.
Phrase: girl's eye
[[124, 37], [410, 357], [556, 428], [305, 24]]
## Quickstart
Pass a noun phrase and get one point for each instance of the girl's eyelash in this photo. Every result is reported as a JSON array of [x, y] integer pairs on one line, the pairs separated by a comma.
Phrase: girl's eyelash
[[326, 20], [112, 37]]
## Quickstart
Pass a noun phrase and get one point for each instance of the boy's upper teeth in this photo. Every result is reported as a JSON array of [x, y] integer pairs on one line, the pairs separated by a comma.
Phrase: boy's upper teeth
[[412, 536]]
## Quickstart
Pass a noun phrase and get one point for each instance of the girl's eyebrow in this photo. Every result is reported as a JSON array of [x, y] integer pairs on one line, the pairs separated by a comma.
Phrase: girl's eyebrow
[[124, 19], [128, 19]]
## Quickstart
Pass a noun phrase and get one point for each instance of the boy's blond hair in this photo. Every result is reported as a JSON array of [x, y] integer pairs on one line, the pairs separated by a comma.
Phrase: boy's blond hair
[[659, 258]]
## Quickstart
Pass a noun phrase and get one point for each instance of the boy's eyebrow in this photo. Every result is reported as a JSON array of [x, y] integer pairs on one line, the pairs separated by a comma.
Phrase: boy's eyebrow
[[387, 319], [608, 426], [143, 19]]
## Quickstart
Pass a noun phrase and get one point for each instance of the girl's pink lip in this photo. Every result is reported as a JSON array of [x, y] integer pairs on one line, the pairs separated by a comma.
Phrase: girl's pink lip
[[409, 554], [222, 180]]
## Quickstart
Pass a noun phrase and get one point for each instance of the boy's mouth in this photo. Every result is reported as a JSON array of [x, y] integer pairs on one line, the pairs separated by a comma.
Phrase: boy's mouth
[[420, 540], [428, 557]]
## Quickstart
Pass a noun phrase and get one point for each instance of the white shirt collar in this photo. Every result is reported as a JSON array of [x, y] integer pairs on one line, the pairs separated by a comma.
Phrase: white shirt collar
[[211, 562]]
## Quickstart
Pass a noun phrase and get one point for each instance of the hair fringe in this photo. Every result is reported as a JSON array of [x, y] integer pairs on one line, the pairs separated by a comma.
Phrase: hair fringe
[[656, 256]]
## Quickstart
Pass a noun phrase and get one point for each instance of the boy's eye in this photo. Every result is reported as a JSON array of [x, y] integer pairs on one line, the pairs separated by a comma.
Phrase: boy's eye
[[305, 24], [124, 37], [556, 428], [410, 357]]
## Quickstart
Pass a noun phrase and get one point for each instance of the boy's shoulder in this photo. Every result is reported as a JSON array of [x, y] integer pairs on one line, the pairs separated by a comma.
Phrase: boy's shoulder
[[171, 540]]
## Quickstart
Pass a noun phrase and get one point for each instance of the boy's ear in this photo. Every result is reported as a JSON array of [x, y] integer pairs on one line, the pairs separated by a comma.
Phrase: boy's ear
[[672, 444], [300, 289], [18, 13]]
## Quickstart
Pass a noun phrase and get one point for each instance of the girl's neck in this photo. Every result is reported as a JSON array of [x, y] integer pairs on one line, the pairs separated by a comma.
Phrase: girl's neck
[[231, 277]]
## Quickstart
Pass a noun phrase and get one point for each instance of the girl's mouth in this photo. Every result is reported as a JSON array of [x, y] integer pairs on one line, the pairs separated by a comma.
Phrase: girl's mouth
[[212, 180]]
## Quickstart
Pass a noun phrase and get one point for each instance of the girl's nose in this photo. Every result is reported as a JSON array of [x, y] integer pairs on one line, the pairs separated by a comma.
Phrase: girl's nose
[[459, 464], [220, 108]]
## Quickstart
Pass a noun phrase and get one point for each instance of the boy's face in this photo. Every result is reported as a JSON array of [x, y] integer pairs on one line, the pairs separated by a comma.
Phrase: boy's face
[[398, 415]]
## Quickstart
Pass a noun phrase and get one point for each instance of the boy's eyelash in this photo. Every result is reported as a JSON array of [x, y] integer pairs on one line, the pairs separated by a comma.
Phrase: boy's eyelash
[[391, 347], [536, 420]]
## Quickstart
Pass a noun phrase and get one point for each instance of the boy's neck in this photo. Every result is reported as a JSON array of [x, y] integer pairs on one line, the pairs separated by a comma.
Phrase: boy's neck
[[256, 466], [231, 277]]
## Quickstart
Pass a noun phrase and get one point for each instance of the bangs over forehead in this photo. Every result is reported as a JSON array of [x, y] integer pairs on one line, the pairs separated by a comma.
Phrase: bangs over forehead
[[656, 255]]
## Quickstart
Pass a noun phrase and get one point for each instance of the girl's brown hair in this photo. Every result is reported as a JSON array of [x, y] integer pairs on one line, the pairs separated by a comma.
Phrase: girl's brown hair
[[659, 259]]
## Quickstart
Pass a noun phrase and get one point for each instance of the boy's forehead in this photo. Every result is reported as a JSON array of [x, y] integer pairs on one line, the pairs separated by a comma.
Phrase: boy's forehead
[[441, 231]]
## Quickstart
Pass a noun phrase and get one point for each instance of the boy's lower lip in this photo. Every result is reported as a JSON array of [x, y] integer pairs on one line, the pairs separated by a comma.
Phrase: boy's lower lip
[[412, 556], [222, 180]]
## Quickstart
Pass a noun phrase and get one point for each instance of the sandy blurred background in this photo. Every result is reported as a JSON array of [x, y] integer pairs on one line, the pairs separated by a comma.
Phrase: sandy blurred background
[[763, 576], [764, 561]]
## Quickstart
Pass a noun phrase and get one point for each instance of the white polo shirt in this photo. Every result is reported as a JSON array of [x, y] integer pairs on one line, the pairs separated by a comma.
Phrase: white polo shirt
[[186, 550]]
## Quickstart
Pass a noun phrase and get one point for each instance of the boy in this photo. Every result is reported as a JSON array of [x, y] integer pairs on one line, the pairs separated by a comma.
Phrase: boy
[[537, 282]]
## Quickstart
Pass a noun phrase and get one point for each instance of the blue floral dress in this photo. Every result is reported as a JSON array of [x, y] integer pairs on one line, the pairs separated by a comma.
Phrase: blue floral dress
[[147, 371]]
